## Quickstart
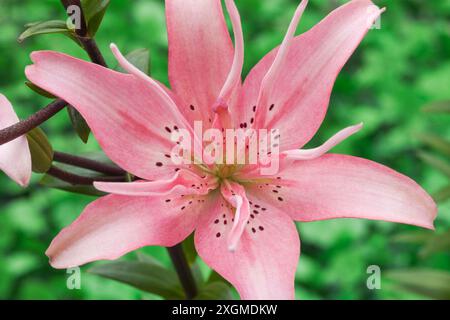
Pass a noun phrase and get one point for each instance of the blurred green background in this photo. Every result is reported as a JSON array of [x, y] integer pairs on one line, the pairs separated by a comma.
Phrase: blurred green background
[[397, 71]]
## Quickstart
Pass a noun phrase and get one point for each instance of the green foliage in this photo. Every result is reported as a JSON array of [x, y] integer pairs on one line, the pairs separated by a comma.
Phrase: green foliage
[[430, 283], [41, 150], [94, 11], [45, 27], [148, 276], [395, 72], [79, 124]]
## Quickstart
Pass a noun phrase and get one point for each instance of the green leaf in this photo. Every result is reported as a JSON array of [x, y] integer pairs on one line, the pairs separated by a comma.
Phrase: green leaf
[[442, 195], [189, 249], [38, 90], [438, 107], [149, 259], [55, 183], [436, 162], [40, 149], [140, 58], [215, 291], [436, 142], [433, 284], [79, 124], [145, 276], [44, 27], [94, 11]]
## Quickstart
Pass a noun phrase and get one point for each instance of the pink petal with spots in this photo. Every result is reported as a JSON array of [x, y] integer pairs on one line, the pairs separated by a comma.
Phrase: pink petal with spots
[[115, 225], [264, 262], [200, 54], [130, 119]]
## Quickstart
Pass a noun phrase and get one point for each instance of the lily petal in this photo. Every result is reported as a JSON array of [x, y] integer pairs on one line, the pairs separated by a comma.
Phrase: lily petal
[[200, 54], [340, 186], [132, 122], [305, 78], [310, 154], [15, 158], [264, 262], [115, 225]]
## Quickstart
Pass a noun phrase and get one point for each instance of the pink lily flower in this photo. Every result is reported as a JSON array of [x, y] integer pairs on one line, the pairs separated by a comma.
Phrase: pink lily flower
[[243, 221], [15, 157]]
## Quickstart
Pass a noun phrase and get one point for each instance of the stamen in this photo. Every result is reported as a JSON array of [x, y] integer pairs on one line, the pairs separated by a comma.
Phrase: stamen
[[310, 154]]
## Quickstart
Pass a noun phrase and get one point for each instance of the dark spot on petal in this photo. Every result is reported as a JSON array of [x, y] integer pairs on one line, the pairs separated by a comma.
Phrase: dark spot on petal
[[271, 107], [261, 228], [253, 230], [159, 164], [280, 199], [216, 221], [218, 235], [192, 107]]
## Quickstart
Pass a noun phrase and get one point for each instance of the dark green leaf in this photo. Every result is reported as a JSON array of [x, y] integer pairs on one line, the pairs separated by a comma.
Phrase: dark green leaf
[[40, 149], [433, 284], [94, 11], [38, 90], [436, 142], [140, 58], [55, 183], [189, 249], [79, 124], [44, 27], [215, 291], [149, 259], [145, 276], [438, 107], [436, 162]]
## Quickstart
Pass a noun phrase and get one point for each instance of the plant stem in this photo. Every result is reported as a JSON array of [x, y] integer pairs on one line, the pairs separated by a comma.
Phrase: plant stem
[[82, 33], [76, 179], [13, 132], [183, 270], [85, 163]]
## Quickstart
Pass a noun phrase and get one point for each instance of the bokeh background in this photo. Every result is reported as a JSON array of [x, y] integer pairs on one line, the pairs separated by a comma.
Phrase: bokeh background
[[397, 72]]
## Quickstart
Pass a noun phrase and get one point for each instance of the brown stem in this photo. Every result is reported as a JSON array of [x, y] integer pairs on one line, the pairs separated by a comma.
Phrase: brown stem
[[83, 30], [76, 179], [22, 127], [88, 164], [183, 270]]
